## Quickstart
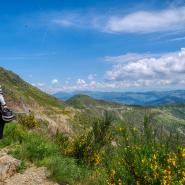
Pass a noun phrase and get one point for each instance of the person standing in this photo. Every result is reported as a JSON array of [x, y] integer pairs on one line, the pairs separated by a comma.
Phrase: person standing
[[2, 100], [2, 106]]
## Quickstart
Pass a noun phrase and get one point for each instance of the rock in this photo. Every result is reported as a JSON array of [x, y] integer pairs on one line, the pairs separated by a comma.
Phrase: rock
[[8, 165]]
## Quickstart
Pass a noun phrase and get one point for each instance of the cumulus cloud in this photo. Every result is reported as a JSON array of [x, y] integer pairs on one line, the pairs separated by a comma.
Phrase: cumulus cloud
[[132, 70], [149, 71]]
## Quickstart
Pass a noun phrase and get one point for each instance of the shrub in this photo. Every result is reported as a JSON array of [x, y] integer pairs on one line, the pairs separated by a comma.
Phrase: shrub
[[29, 121], [35, 148], [13, 134], [141, 158], [89, 147]]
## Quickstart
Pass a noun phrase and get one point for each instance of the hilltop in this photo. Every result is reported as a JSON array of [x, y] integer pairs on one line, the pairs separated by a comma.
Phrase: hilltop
[[84, 101]]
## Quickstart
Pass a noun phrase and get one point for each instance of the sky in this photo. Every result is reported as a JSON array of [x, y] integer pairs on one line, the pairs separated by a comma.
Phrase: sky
[[98, 45]]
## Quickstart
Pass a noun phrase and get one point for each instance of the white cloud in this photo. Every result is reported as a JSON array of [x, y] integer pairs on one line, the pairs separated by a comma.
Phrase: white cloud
[[148, 21], [133, 71], [143, 71], [129, 57], [171, 19], [74, 19], [149, 71], [54, 81], [81, 83]]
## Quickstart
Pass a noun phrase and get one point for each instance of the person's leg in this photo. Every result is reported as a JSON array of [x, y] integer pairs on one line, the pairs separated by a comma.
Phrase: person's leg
[[2, 124]]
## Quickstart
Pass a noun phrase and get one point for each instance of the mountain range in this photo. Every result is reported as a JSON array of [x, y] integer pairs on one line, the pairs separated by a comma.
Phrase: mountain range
[[21, 96], [150, 98]]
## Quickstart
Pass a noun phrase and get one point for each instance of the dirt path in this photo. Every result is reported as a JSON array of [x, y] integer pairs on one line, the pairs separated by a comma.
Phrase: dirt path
[[31, 176]]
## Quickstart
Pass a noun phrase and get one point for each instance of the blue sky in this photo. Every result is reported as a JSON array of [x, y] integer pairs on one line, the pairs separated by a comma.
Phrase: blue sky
[[108, 45]]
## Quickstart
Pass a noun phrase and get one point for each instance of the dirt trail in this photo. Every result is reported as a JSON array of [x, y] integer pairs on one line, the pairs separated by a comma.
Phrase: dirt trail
[[31, 176]]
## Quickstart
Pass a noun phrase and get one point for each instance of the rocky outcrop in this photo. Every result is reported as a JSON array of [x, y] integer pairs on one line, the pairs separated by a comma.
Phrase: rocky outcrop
[[8, 165]]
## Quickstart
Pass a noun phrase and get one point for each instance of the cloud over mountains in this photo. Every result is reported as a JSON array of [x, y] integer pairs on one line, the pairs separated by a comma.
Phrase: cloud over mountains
[[136, 71], [167, 69]]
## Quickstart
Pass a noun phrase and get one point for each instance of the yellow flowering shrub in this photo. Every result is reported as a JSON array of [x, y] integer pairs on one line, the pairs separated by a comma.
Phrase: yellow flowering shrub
[[29, 121]]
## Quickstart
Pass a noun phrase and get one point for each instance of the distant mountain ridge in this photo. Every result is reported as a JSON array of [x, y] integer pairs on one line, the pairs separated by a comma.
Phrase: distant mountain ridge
[[150, 98]]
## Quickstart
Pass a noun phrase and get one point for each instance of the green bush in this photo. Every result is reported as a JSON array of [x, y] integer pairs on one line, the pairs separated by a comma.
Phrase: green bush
[[13, 134], [35, 148], [65, 170]]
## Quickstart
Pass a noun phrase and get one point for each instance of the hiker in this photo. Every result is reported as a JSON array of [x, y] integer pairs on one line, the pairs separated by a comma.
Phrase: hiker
[[6, 115], [2, 100]]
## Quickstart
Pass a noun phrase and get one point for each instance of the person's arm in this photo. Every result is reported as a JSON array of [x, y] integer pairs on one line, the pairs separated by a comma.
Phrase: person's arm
[[2, 100]]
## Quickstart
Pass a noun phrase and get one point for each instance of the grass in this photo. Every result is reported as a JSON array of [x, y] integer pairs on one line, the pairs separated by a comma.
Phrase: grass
[[39, 149], [107, 153]]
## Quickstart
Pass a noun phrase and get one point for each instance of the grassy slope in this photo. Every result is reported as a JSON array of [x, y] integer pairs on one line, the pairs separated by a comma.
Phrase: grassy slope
[[171, 116], [18, 92]]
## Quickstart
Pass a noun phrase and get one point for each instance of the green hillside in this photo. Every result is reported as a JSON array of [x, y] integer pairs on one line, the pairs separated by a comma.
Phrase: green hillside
[[20, 94], [171, 117], [84, 101]]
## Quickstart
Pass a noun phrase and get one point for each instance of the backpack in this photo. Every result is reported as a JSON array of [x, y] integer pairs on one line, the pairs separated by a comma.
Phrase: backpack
[[7, 115]]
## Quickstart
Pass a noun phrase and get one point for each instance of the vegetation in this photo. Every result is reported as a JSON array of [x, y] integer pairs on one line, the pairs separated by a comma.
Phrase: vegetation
[[107, 152], [28, 121], [20, 93], [127, 145]]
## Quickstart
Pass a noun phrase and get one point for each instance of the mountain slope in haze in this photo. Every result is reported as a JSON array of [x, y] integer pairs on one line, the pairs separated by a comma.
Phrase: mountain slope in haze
[[168, 116], [21, 95], [152, 98]]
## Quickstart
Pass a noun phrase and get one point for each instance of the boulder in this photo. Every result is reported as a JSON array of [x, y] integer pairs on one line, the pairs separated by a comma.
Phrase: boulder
[[8, 165]]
